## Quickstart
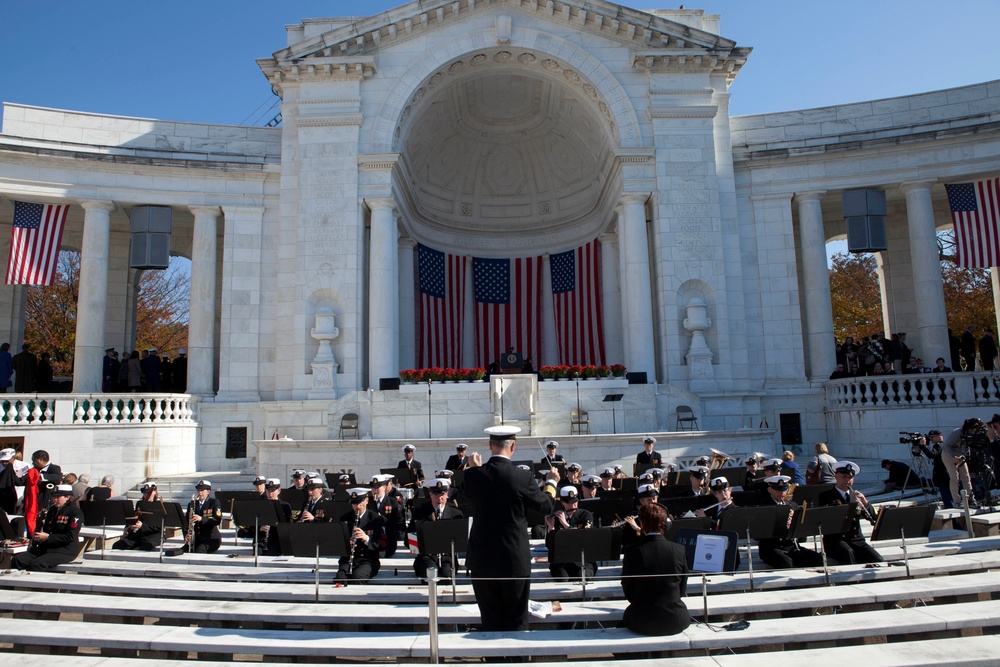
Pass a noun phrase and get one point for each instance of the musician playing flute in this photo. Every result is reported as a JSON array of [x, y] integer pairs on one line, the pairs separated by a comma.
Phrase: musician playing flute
[[56, 541], [850, 547], [568, 516]]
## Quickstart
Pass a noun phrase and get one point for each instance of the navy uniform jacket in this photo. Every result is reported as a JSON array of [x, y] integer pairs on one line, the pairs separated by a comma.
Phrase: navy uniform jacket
[[833, 497], [654, 457], [413, 465], [455, 463], [391, 510], [63, 525], [318, 508], [655, 606], [500, 494], [374, 527], [211, 517]]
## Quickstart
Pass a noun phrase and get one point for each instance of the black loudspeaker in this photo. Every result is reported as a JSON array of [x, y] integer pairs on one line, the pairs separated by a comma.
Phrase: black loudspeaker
[[864, 211], [636, 378], [388, 384], [790, 424], [151, 227]]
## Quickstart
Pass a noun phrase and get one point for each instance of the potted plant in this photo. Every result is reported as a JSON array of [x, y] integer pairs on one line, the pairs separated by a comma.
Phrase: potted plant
[[618, 371]]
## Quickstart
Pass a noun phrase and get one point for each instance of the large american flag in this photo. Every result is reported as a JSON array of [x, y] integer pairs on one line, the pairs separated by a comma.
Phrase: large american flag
[[975, 210], [442, 308], [34, 243], [508, 307], [576, 300]]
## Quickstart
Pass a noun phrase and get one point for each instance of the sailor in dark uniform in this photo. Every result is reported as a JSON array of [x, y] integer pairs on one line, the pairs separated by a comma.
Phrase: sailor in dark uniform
[[267, 539], [573, 472], [784, 552], [438, 509], [366, 532], [315, 508], [647, 494], [458, 460], [719, 488], [412, 464], [750, 482], [648, 455], [589, 484], [56, 541], [145, 533], [607, 478], [849, 547], [390, 509], [551, 458], [206, 514], [567, 516], [258, 488], [698, 475]]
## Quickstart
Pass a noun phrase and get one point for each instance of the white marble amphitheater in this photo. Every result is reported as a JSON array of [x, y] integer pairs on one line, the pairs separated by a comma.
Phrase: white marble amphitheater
[[496, 129]]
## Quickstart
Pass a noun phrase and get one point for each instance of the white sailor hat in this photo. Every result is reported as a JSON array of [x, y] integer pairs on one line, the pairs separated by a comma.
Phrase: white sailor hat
[[590, 481], [669, 467], [751, 460], [574, 467], [378, 480], [551, 444], [617, 468], [698, 471], [657, 473], [63, 490], [523, 466], [298, 473], [778, 482], [608, 472], [272, 484], [444, 474], [357, 494], [646, 478], [569, 492], [461, 446], [502, 432], [314, 483], [203, 484], [702, 461], [648, 491], [772, 463], [409, 448], [344, 477], [438, 485], [146, 486], [719, 484], [649, 438], [7, 454], [259, 480], [849, 468]]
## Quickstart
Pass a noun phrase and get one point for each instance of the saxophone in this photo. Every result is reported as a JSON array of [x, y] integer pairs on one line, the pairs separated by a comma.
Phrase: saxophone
[[189, 536]]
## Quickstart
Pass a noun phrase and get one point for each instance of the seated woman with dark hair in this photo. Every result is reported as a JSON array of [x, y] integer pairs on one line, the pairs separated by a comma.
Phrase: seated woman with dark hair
[[655, 606]]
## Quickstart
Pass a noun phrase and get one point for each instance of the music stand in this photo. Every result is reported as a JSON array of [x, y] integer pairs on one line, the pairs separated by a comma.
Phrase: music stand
[[753, 522], [104, 512], [678, 507], [263, 513], [404, 476], [750, 498], [615, 399], [606, 511], [677, 525], [809, 493], [307, 539], [458, 478], [700, 559], [448, 536], [819, 521], [582, 545], [295, 498], [639, 468], [171, 515], [735, 476], [333, 479], [903, 522]]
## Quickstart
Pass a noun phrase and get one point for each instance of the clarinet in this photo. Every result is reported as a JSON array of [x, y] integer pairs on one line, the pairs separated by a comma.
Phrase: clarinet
[[865, 511], [189, 538], [350, 558]]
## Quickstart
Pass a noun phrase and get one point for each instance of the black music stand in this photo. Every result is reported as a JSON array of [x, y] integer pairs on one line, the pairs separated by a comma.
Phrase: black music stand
[[756, 523], [582, 545], [639, 468], [677, 525], [449, 536], [750, 498], [820, 521], [809, 493], [458, 478], [607, 511], [903, 522], [263, 513], [295, 498], [694, 541], [678, 507], [735, 476], [105, 513], [171, 515], [333, 479], [615, 399], [319, 539], [404, 476]]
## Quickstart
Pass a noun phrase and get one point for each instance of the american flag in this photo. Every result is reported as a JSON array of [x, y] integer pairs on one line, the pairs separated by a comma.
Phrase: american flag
[[442, 308], [34, 243], [975, 209], [508, 307], [576, 299]]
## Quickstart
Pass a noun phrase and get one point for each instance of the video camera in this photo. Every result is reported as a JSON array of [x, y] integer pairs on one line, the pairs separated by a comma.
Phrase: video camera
[[914, 439]]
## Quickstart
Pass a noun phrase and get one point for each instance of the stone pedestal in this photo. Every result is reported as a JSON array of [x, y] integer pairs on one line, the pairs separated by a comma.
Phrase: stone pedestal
[[699, 357], [514, 398], [324, 365]]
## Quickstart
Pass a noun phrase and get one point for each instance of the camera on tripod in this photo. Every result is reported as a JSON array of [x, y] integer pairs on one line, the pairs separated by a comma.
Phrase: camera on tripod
[[912, 438]]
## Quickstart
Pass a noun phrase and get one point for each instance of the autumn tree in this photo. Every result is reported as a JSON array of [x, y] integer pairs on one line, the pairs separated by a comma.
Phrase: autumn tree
[[854, 292], [161, 319]]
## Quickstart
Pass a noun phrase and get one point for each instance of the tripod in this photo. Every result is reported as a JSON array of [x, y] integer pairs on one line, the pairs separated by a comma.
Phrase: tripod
[[918, 468]]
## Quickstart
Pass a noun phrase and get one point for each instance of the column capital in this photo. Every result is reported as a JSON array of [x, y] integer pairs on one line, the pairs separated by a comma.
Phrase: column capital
[[809, 195], [380, 202], [608, 238], [98, 205], [199, 211], [407, 242], [909, 186], [634, 198]]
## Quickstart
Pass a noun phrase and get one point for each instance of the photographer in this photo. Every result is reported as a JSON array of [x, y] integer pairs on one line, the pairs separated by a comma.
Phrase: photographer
[[939, 472], [953, 456]]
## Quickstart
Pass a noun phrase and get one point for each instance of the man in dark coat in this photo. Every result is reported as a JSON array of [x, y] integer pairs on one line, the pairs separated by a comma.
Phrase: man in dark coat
[[411, 464], [56, 542], [987, 351], [647, 455], [109, 371], [438, 509], [179, 366], [458, 460], [850, 547], [968, 347], [498, 544], [551, 458], [24, 363], [655, 605]]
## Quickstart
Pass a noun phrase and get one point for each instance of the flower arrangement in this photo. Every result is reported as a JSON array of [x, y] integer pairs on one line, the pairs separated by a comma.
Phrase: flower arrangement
[[618, 371], [570, 372], [437, 374]]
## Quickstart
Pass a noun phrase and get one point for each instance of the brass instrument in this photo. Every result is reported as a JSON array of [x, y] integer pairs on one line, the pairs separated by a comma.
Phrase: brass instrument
[[718, 459], [189, 537]]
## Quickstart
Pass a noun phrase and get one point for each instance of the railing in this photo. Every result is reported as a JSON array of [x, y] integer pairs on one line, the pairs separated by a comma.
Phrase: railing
[[925, 389], [96, 409]]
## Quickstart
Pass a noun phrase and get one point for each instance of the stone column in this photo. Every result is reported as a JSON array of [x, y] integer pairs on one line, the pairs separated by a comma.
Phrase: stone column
[[816, 282], [928, 287], [619, 309], [550, 346], [88, 356], [407, 305], [469, 320], [611, 300], [383, 287], [201, 327], [638, 308]]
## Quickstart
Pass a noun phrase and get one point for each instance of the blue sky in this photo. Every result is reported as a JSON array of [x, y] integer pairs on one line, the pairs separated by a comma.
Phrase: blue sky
[[195, 61]]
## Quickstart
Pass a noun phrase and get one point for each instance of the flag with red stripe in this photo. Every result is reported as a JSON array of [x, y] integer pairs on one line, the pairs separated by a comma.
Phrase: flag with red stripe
[[508, 307], [35, 237], [975, 208], [576, 300], [442, 308]]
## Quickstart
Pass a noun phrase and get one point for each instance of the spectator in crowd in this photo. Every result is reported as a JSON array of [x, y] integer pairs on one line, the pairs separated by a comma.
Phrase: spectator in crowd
[[922, 367], [912, 368], [134, 372], [905, 351], [180, 371], [900, 476], [790, 468], [968, 347], [939, 366], [987, 350], [6, 367], [24, 364], [104, 490], [80, 487], [166, 375], [109, 371], [939, 472], [955, 350], [43, 374], [821, 469], [838, 373], [895, 353]]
